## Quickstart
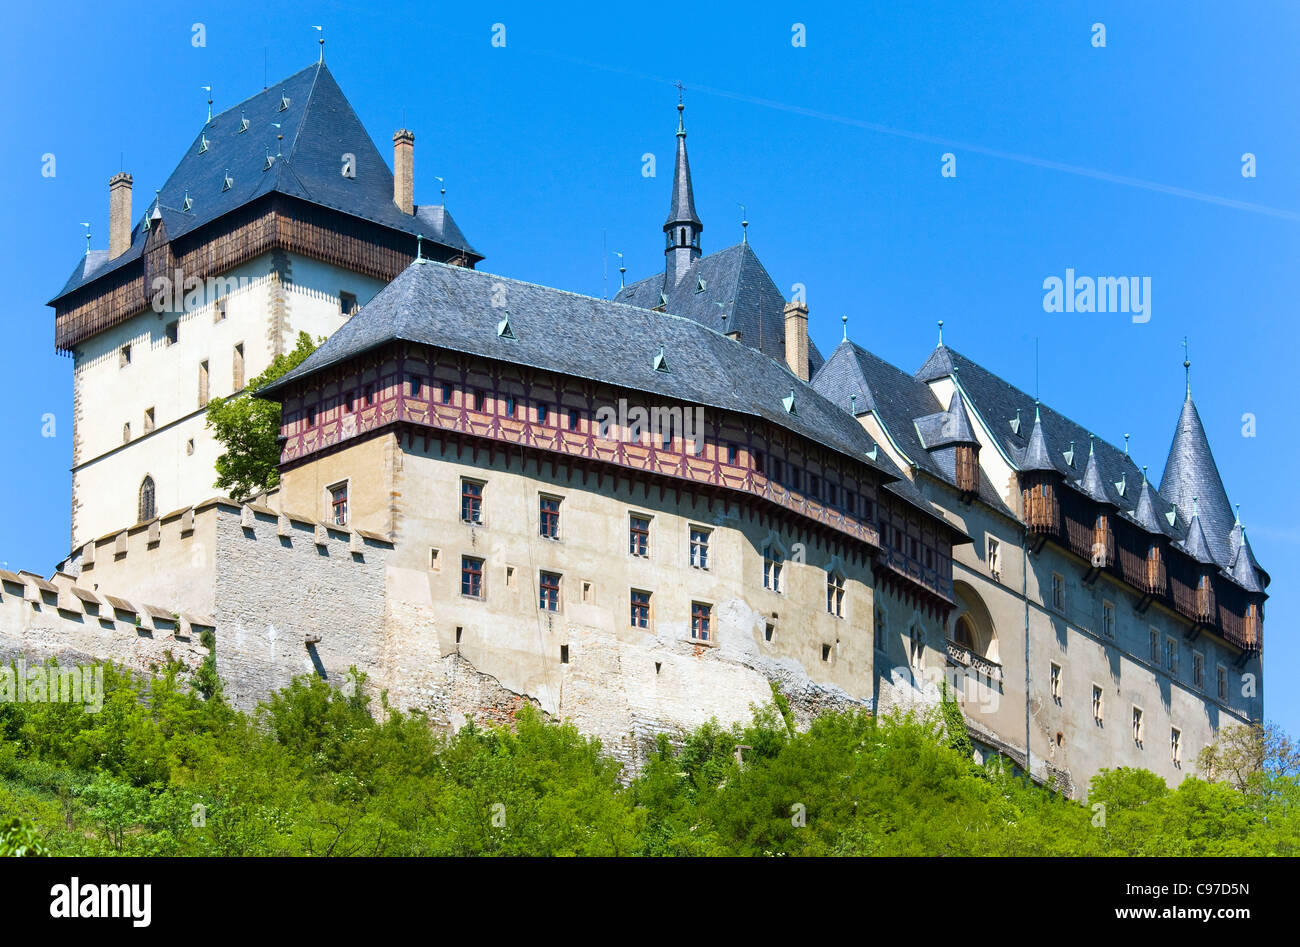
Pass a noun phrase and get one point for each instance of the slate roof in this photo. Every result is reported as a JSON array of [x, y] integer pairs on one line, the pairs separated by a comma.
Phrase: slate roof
[[735, 284], [681, 209], [1190, 471], [319, 127], [898, 400], [998, 401], [451, 307]]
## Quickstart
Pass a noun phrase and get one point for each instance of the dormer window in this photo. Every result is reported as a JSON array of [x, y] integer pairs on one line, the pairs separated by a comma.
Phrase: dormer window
[[284, 102], [701, 286], [187, 203], [203, 143], [270, 160], [243, 124], [228, 182]]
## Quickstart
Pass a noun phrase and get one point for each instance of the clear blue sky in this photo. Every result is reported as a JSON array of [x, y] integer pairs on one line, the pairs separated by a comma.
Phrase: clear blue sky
[[834, 148]]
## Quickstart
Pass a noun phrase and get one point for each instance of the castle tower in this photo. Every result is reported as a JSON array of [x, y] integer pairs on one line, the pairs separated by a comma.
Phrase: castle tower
[[683, 227]]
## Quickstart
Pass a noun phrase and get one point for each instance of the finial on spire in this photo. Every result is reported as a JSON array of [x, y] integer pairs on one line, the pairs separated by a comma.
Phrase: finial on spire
[[1126, 445], [208, 90], [844, 321], [442, 189], [941, 332], [321, 30], [279, 139], [419, 248], [621, 268], [1237, 522], [87, 226], [1187, 367], [1037, 416], [1144, 473], [681, 107], [744, 226]]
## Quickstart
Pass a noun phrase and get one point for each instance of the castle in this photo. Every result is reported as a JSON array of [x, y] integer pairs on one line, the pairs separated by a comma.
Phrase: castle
[[636, 514]]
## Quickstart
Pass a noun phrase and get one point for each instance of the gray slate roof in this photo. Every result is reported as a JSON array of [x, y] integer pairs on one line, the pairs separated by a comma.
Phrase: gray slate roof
[[898, 400], [681, 209], [319, 127], [451, 307], [735, 284], [997, 401], [1191, 472]]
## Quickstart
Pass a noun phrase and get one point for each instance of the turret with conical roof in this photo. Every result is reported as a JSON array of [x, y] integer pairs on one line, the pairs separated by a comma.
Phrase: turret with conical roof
[[683, 226]]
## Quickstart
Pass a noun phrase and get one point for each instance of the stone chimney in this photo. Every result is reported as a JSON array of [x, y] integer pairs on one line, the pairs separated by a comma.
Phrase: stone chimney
[[796, 339], [119, 214], [404, 170]]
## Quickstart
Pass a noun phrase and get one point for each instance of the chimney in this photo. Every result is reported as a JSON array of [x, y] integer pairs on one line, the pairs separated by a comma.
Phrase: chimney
[[404, 170], [119, 214], [796, 339]]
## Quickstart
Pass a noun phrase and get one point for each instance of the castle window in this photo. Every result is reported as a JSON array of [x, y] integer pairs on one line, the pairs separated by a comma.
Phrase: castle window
[[435, 560], [733, 454], [148, 420], [126, 432], [311, 416], [1198, 670], [1058, 592], [814, 485], [480, 400], [550, 517], [681, 236], [414, 382], [916, 654], [1056, 682], [339, 504], [995, 558], [541, 413], [699, 539], [701, 620], [370, 394], [510, 406], [173, 333], [347, 304], [835, 594], [1108, 619], [769, 631], [189, 447], [639, 535], [772, 561], [471, 501], [548, 584], [219, 310], [1221, 681], [640, 609], [573, 419], [826, 653], [350, 400], [564, 654], [1137, 725], [148, 508], [237, 367], [446, 392], [471, 577], [1176, 746], [878, 630], [1096, 703], [124, 356], [758, 461], [1155, 647], [203, 384], [1171, 655]]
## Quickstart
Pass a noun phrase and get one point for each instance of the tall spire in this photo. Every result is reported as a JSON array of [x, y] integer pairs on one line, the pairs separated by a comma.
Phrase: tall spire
[[1190, 471], [682, 228]]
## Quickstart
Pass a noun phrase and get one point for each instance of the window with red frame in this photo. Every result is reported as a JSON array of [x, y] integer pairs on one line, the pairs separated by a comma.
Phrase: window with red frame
[[548, 585], [550, 517], [701, 621]]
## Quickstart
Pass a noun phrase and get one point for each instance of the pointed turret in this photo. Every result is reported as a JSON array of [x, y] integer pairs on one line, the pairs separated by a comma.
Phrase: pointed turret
[[1092, 484], [683, 227], [1036, 456], [1245, 569], [1191, 472], [956, 426], [1144, 513], [1196, 545]]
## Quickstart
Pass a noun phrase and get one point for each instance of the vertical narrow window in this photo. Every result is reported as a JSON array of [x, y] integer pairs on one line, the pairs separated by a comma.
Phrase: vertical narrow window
[[1176, 746], [758, 461], [1155, 647], [311, 416], [203, 384], [541, 413], [1058, 592], [126, 432], [237, 371], [471, 577], [124, 356], [550, 517], [772, 560], [701, 621], [573, 419], [510, 406], [1108, 619], [639, 536], [640, 609], [148, 507], [1171, 655], [733, 454], [1137, 725], [699, 547], [350, 400], [415, 383], [446, 392], [370, 395], [1198, 670], [835, 594], [471, 501], [347, 304], [878, 631], [148, 420], [339, 504], [1221, 682], [548, 585], [1056, 682], [917, 653], [480, 400], [1096, 703], [219, 310]]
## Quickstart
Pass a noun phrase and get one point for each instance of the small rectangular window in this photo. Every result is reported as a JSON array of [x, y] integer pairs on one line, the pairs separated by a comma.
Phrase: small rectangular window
[[124, 356], [1056, 682], [1096, 703], [1058, 592], [1155, 647], [564, 654], [733, 454], [826, 653], [311, 416], [772, 562], [1108, 619], [835, 594], [370, 395], [1171, 655], [446, 392], [588, 592], [339, 504], [550, 517], [471, 501], [347, 304], [640, 609], [639, 536], [1137, 725], [573, 419], [769, 631], [480, 400], [1221, 682], [435, 560], [1176, 746], [548, 585], [237, 367], [471, 577], [699, 547], [219, 310], [414, 383], [541, 413], [148, 420], [203, 384], [1198, 670], [510, 406], [701, 621], [173, 331], [995, 558]]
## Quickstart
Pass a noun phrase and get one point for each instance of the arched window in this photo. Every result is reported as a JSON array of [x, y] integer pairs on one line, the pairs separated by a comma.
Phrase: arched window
[[681, 237], [148, 505], [965, 633]]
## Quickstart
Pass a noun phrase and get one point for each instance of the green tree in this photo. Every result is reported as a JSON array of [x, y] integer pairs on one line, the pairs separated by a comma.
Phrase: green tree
[[248, 427]]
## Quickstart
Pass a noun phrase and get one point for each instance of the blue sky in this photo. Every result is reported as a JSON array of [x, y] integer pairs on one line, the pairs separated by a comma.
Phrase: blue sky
[[1122, 161]]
